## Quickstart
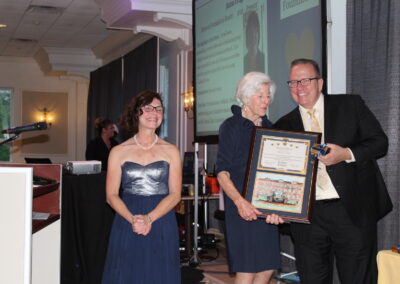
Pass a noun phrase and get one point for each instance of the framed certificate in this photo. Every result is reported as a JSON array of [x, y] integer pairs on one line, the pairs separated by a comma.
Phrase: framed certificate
[[281, 173]]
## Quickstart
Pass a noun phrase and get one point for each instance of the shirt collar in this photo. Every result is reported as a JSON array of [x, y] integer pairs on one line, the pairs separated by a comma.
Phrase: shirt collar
[[319, 106]]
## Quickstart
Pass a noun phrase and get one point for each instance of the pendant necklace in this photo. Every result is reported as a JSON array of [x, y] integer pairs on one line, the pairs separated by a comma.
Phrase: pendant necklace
[[145, 147]]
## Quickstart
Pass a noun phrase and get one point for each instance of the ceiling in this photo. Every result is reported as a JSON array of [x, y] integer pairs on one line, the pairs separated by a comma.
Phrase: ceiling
[[32, 24], [88, 27]]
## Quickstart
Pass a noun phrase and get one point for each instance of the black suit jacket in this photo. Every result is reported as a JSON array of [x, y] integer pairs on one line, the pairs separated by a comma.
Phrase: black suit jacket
[[360, 185]]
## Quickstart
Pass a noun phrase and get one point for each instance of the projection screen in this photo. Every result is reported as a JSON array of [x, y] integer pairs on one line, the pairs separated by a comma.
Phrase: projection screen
[[233, 37]]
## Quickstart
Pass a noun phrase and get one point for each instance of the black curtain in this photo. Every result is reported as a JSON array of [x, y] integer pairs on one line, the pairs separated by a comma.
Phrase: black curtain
[[373, 71], [114, 84], [140, 70], [104, 95], [140, 73]]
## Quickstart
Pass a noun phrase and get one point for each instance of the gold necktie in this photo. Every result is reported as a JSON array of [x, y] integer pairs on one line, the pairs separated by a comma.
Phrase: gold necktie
[[314, 121], [322, 175]]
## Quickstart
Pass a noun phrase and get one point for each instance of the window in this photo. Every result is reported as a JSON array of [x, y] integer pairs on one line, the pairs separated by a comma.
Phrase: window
[[164, 90], [5, 107], [168, 54]]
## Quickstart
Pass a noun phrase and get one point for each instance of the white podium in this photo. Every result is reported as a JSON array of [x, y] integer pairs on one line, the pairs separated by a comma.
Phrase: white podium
[[16, 225], [30, 249]]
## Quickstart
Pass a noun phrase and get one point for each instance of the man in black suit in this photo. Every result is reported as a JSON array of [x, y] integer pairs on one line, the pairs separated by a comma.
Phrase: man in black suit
[[350, 195]]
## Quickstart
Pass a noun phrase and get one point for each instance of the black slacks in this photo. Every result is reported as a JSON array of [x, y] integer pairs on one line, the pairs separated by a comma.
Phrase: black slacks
[[333, 235]]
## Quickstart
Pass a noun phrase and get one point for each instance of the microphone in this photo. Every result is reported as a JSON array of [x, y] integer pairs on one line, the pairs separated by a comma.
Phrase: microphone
[[29, 127]]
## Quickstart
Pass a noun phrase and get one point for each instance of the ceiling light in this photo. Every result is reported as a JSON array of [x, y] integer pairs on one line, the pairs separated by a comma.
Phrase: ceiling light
[[39, 9], [24, 40], [3, 26]]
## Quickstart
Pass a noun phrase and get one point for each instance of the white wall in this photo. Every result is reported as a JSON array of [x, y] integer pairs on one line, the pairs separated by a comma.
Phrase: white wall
[[336, 37], [24, 74]]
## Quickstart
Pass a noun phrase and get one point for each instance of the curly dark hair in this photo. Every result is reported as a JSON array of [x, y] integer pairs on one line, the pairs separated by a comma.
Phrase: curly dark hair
[[101, 122], [129, 121]]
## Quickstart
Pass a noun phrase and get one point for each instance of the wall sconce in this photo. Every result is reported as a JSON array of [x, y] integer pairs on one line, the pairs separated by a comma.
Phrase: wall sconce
[[188, 100], [45, 116]]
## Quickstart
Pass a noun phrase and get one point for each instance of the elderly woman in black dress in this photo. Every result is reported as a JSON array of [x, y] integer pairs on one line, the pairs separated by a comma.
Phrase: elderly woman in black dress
[[253, 244]]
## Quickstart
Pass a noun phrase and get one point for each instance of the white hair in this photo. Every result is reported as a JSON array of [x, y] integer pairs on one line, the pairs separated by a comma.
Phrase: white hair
[[250, 84]]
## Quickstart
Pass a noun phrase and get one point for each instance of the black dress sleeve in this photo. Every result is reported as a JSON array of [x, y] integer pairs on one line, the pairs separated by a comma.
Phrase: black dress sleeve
[[226, 147]]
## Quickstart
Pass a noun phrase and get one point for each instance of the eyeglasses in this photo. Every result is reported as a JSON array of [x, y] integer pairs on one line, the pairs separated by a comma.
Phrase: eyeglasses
[[304, 82], [150, 108]]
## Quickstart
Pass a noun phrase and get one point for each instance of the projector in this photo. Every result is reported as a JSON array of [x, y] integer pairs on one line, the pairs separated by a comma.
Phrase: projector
[[83, 167]]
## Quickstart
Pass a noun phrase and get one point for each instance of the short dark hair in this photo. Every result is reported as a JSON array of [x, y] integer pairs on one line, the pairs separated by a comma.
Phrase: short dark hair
[[252, 25], [306, 61], [129, 121]]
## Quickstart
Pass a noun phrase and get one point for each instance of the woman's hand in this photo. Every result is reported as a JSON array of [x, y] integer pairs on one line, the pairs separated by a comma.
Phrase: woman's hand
[[274, 219], [141, 224], [247, 211]]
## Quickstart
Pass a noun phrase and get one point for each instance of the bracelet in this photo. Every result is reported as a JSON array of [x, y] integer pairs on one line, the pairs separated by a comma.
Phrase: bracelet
[[149, 220]]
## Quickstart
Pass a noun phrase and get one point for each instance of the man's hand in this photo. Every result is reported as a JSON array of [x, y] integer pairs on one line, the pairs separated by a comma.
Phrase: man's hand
[[274, 219], [335, 155]]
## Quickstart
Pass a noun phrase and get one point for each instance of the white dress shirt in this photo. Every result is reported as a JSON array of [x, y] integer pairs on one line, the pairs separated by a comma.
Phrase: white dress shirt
[[327, 190]]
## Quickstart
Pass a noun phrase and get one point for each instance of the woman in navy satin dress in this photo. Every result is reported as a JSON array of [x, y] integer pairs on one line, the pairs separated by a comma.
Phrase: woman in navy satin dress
[[144, 242], [253, 245]]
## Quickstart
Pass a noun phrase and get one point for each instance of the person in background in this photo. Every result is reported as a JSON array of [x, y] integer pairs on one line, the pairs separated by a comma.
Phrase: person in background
[[99, 148], [351, 195], [116, 136], [253, 244], [254, 60], [144, 242]]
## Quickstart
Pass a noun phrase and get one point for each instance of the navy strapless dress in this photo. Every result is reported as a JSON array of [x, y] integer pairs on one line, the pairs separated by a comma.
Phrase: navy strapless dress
[[138, 259]]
